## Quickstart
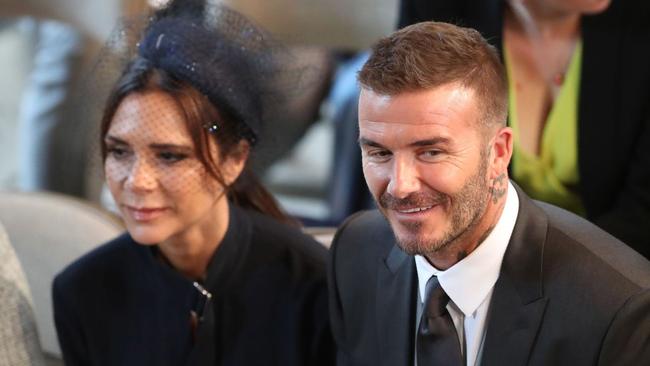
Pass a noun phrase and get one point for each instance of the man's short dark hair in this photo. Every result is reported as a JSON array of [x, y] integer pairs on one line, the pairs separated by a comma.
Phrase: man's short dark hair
[[430, 54]]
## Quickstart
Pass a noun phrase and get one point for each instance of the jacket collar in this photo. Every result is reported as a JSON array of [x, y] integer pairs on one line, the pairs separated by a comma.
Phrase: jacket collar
[[518, 300], [395, 307], [517, 306]]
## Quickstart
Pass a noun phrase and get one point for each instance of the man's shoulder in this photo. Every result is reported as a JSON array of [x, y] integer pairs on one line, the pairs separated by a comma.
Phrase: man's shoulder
[[363, 221], [583, 277], [572, 240], [361, 242], [365, 229]]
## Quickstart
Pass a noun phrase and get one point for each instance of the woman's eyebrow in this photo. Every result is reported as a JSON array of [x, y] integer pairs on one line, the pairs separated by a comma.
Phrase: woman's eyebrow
[[156, 146], [115, 140], [170, 146]]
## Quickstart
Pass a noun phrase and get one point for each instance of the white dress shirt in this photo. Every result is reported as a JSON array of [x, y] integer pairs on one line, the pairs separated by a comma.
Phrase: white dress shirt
[[470, 282]]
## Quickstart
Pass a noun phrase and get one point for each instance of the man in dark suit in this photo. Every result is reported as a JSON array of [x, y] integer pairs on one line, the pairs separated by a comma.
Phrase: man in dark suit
[[458, 266]]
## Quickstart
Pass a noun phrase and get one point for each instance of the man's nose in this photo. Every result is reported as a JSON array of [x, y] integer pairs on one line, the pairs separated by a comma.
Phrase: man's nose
[[404, 179], [141, 176]]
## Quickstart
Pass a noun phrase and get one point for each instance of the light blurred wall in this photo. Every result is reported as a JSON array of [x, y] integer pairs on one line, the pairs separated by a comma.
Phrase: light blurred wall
[[351, 24], [94, 18], [347, 24], [340, 24]]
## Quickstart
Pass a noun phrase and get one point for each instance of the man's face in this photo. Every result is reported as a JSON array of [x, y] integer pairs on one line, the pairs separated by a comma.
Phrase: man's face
[[426, 162]]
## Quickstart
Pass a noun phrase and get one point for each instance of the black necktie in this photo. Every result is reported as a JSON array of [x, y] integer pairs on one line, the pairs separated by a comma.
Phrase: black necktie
[[437, 340]]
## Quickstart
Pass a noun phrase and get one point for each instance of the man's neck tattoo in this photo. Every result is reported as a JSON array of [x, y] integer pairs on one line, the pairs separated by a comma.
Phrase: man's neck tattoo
[[463, 253], [498, 188], [485, 235]]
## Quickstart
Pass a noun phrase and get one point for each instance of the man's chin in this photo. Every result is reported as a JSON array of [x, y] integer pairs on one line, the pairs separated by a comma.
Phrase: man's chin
[[419, 245]]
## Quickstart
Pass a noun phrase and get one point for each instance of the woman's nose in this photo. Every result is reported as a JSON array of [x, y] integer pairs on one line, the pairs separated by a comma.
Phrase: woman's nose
[[141, 176]]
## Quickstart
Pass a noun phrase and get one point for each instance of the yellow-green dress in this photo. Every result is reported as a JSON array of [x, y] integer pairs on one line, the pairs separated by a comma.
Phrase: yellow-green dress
[[552, 176]]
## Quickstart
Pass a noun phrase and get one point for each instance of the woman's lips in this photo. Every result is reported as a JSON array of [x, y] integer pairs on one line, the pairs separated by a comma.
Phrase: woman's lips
[[144, 214]]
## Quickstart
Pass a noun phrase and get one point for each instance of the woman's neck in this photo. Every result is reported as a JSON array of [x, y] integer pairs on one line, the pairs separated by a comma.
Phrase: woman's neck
[[543, 44], [550, 23], [190, 251]]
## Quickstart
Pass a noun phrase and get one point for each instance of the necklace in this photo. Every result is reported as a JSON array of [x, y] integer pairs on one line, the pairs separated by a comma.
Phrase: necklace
[[558, 78], [551, 62]]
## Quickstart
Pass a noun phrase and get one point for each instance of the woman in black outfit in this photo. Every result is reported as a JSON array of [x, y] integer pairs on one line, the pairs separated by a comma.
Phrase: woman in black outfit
[[210, 271]]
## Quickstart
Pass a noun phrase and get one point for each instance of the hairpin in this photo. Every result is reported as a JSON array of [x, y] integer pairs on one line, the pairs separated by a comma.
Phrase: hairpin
[[211, 127]]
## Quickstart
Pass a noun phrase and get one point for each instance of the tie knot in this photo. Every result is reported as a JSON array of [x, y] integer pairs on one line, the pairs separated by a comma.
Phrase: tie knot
[[435, 303]]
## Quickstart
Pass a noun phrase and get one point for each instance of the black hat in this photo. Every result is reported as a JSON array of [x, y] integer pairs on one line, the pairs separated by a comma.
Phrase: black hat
[[224, 56]]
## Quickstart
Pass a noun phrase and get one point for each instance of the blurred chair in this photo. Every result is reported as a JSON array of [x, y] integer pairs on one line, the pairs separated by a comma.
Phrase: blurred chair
[[19, 343], [321, 180], [48, 231], [322, 234]]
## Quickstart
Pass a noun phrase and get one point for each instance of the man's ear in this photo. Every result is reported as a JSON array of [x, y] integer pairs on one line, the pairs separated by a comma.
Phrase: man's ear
[[501, 152], [234, 163]]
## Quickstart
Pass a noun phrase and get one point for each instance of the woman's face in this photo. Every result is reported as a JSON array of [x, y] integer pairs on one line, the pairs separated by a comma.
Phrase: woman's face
[[582, 7], [160, 186]]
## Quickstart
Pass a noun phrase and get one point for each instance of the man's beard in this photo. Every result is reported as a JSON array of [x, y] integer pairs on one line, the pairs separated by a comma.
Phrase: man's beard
[[466, 208]]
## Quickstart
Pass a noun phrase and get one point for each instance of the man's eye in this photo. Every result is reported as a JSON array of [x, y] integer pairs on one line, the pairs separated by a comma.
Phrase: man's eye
[[170, 157], [379, 155], [430, 154]]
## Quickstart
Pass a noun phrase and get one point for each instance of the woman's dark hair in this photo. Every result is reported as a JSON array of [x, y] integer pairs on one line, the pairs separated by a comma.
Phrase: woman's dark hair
[[200, 113]]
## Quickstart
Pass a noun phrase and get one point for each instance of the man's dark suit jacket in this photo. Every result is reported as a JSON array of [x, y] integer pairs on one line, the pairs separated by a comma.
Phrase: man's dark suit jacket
[[613, 106], [568, 294]]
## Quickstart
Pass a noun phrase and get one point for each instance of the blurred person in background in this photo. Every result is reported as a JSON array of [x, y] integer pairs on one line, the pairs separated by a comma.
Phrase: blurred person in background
[[41, 55], [578, 80], [19, 343], [211, 271]]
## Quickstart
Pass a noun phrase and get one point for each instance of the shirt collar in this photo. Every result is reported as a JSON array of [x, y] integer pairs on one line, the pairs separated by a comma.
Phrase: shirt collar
[[468, 282]]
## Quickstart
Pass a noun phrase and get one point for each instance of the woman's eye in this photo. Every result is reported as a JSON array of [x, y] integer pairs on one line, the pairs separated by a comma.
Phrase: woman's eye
[[117, 152], [170, 157]]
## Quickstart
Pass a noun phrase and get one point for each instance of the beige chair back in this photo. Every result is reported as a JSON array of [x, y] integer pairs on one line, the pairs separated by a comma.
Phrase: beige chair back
[[48, 231]]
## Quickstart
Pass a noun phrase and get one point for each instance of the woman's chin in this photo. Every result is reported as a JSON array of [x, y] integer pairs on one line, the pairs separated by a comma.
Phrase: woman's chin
[[146, 236], [596, 7]]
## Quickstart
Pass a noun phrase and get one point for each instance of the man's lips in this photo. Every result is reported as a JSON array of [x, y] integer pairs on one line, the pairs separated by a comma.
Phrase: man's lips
[[417, 206], [144, 213], [412, 210]]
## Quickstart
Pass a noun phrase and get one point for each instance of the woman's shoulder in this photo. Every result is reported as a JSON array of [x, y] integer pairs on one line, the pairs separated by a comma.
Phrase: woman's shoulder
[[280, 237], [107, 260]]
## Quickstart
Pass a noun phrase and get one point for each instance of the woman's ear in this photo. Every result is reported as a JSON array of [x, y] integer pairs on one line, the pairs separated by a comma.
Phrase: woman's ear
[[234, 163]]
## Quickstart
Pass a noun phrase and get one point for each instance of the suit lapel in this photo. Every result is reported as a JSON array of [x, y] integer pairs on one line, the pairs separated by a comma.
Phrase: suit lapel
[[518, 301], [395, 308]]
